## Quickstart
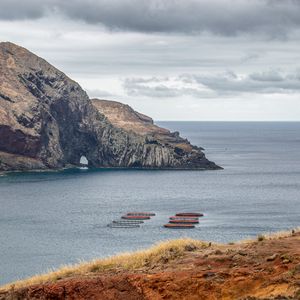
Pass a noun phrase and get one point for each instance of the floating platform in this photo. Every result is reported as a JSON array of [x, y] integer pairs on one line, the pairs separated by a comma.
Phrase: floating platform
[[183, 218], [182, 221], [179, 226], [189, 214], [128, 221], [123, 225], [127, 217], [148, 214]]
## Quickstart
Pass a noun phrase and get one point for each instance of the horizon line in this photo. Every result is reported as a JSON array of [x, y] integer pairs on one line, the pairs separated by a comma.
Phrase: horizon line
[[240, 121]]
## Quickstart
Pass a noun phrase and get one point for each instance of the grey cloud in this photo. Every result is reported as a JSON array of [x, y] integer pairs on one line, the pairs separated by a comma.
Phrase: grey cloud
[[267, 76], [16, 10], [225, 17], [210, 86], [140, 87], [99, 94], [267, 82], [250, 57]]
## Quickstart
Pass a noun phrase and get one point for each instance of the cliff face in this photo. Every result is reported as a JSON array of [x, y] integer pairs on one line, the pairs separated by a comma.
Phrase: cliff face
[[48, 121], [162, 145]]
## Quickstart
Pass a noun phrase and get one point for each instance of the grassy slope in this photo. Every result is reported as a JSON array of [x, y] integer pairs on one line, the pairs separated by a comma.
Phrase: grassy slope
[[148, 258], [268, 265]]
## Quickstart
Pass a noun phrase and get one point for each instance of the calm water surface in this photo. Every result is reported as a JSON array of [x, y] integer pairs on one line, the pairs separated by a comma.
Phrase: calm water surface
[[50, 219]]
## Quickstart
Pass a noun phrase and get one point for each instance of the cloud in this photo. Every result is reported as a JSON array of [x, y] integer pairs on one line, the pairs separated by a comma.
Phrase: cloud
[[163, 87], [18, 10], [206, 86], [268, 76], [225, 17], [267, 82], [101, 94], [250, 57]]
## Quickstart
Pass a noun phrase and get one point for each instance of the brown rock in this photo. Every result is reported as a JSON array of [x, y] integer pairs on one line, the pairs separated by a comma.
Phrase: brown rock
[[272, 257]]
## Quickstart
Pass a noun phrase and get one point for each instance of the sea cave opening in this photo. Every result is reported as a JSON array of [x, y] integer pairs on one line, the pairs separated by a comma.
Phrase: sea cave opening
[[84, 161]]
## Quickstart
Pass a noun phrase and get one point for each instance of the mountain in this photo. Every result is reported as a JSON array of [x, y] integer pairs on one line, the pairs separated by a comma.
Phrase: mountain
[[47, 121]]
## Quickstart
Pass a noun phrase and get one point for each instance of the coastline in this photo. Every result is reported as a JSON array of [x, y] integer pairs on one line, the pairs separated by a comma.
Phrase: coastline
[[4, 173], [229, 266]]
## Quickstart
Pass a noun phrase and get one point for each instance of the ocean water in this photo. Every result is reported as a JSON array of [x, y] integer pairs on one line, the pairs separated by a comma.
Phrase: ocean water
[[55, 218]]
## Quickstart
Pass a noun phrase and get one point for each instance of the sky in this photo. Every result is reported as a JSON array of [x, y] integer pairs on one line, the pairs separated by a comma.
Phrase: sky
[[200, 60]]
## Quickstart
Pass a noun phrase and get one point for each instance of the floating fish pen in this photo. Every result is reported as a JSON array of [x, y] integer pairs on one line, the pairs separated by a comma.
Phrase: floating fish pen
[[140, 214], [114, 225], [179, 226], [128, 222], [127, 217], [183, 218], [189, 214], [181, 221], [131, 220]]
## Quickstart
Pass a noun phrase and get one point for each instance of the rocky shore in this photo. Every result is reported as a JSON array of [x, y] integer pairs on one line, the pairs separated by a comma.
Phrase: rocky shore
[[47, 121]]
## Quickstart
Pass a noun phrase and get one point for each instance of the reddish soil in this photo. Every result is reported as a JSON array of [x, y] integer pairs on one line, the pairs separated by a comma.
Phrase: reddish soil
[[268, 269]]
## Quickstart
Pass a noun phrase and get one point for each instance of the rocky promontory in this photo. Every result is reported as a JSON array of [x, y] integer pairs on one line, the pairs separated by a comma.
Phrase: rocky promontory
[[47, 121]]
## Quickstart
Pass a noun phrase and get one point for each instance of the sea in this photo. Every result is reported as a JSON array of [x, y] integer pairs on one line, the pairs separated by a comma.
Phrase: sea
[[50, 219]]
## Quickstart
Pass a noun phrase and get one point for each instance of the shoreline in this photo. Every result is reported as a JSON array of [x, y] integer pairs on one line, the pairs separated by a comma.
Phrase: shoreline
[[5, 173]]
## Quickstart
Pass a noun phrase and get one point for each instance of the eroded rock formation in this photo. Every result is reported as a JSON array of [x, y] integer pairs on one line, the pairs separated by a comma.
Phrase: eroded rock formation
[[48, 121]]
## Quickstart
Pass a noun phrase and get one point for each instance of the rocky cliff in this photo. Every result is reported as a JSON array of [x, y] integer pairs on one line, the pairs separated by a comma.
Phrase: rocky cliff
[[48, 121]]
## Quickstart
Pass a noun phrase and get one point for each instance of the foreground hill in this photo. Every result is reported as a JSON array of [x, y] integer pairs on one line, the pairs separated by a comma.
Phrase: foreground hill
[[48, 121], [267, 268]]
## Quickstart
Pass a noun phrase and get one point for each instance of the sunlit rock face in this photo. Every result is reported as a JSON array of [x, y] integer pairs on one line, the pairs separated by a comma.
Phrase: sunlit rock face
[[48, 121]]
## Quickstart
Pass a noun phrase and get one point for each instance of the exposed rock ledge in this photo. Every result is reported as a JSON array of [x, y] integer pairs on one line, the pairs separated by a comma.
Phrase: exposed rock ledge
[[47, 121]]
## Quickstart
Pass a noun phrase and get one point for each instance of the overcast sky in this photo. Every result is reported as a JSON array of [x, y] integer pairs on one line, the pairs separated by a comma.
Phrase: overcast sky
[[171, 59]]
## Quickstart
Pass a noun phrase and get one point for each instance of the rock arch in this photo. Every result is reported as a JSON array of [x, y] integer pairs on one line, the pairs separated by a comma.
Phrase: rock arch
[[83, 160]]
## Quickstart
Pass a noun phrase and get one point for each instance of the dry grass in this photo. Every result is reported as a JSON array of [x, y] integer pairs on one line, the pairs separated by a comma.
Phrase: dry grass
[[159, 254], [272, 235], [185, 147]]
